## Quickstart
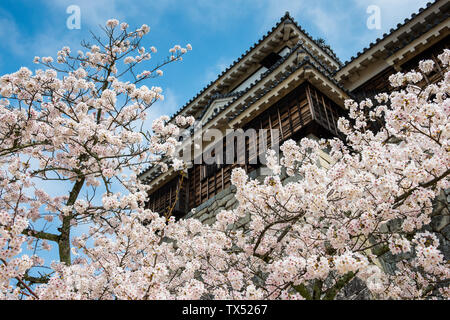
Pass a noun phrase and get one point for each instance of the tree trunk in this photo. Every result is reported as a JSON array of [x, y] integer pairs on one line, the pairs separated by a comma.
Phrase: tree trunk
[[64, 238]]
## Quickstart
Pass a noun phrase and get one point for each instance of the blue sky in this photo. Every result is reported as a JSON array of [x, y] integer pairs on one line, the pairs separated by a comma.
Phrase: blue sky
[[219, 31]]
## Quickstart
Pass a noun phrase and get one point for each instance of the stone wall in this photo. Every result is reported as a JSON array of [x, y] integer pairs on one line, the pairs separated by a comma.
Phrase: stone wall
[[207, 211]]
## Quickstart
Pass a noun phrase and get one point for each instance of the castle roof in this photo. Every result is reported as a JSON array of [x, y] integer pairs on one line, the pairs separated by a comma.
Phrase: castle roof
[[304, 58]]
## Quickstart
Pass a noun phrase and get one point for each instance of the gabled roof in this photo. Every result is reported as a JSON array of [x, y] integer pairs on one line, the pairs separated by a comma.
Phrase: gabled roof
[[309, 60], [236, 106], [286, 19]]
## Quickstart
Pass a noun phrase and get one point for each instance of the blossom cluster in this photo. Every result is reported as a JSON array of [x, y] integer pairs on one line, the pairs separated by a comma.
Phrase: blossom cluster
[[302, 239], [79, 119]]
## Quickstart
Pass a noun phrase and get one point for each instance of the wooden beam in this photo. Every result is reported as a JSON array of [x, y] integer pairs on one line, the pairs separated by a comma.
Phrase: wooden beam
[[286, 32]]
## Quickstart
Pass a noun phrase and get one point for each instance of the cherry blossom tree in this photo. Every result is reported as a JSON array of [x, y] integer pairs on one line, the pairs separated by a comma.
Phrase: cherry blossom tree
[[78, 122], [308, 238]]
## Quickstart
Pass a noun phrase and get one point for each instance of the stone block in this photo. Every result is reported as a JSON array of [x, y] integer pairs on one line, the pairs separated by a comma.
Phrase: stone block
[[438, 223]]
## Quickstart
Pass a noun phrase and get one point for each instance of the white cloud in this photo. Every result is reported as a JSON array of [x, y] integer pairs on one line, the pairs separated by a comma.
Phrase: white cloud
[[21, 44], [93, 13], [10, 34], [273, 10], [213, 71]]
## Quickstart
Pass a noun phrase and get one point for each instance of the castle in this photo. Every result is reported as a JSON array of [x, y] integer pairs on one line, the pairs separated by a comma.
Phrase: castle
[[296, 85]]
